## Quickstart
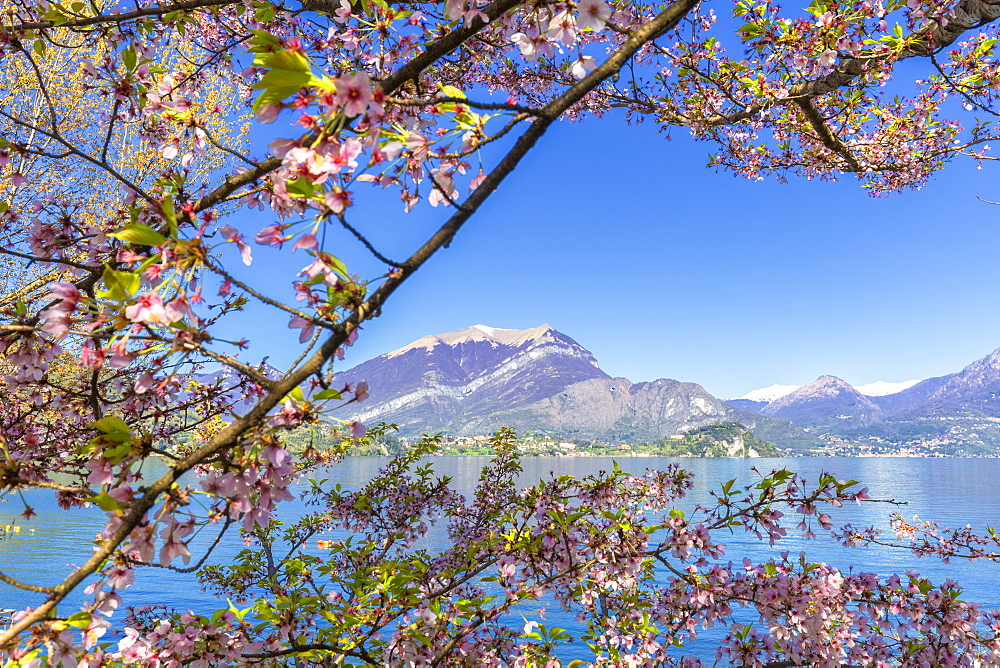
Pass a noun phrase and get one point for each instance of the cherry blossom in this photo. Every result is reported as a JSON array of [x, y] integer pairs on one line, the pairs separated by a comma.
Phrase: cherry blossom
[[132, 176], [354, 93], [592, 14]]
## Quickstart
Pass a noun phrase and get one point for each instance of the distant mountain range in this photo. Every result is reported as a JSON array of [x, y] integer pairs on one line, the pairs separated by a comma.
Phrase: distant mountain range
[[480, 378], [957, 413]]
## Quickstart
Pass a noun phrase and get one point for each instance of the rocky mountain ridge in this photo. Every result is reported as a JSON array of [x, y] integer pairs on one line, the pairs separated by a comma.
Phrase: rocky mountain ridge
[[957, 413], [480, 378]]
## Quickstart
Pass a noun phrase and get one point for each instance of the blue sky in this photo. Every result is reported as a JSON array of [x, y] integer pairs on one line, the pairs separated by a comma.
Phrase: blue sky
[[625, 241]]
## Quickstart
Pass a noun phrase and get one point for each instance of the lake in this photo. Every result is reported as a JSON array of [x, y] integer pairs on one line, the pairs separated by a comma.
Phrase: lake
[[952, 492]]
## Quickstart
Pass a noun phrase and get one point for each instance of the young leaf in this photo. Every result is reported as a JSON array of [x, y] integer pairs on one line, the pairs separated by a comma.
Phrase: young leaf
[[139, 233]]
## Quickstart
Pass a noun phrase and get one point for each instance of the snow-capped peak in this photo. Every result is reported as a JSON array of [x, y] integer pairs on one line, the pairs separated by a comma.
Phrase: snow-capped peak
[[771, 393], [495, 336], [881, 388], [877, 389]]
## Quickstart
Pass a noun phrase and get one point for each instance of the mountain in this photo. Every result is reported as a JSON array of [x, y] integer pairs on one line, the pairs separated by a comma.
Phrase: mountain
[[954, 414], [432, 383], [757, 399], [827, 403], [975, 387], [881, 388], [480, 378], [768, 394]]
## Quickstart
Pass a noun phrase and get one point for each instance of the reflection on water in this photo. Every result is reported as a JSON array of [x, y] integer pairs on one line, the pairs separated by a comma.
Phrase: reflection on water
[[951, 491]]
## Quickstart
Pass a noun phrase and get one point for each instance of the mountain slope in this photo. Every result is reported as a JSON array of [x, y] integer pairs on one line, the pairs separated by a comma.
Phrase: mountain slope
[[436, 379], [954, 414], [829, 402], [479, 379], [977, 386]]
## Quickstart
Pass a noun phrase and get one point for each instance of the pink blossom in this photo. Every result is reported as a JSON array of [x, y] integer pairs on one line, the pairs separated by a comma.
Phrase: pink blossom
[[562, 28], [342, 155], [315, 268], [120, 577], [337, 200], [305, 325], [271, 236], [147, 308], [277, 457], [143, 383], [593, 14], [508, 567], [306, 241], [361, 391], [100, 471], [532, 44], [268, 113], [454, 9], [280, 147], [354, 93], [176, 309], [66, 291], [229, 233], [477, 180], [90, 357], [171, 149], [57, 319], [173, 545], [582, 66]]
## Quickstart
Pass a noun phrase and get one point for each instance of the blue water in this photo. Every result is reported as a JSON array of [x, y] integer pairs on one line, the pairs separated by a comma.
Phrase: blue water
[[953, 492]]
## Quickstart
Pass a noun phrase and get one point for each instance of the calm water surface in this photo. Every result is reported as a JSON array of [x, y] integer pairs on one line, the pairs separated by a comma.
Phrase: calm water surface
[[953, 492]]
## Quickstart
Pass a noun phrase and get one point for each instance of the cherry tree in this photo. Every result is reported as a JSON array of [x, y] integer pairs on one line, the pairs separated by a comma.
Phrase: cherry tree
[[125, 159]]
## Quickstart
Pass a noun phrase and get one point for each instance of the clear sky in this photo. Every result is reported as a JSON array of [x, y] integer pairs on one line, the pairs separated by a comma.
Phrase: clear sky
[[623, 240]]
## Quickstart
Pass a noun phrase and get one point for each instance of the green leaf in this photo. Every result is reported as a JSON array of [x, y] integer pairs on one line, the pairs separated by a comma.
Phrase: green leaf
[[106, 502], [262, 41], [301, 187], [110, 424], [121, 285], [240, 614], [280, 84], [749, 31], [288, 72], [264, 14], [54, 15], [327, 394], [296, 394], [139, 233], [451, 91], [128, 58], [167, 211], [80, 620]]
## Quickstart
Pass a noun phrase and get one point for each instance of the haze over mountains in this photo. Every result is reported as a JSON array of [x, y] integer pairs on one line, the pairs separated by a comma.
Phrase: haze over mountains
[[480, 378]]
